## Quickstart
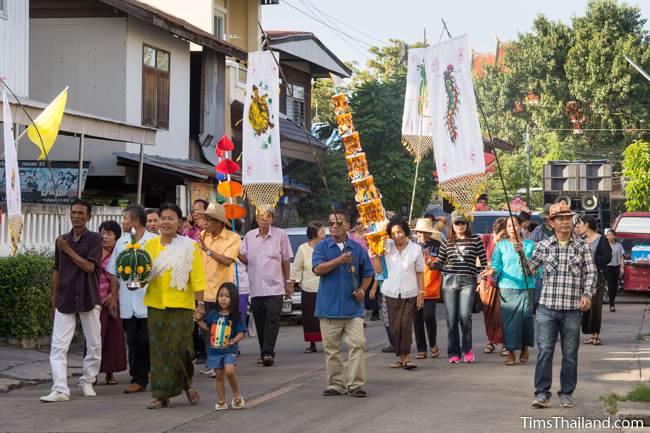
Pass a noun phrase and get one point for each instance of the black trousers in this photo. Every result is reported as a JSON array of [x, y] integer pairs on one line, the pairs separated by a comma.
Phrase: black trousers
[[425, 320], [266, 312], [137, 338], [612, 275]]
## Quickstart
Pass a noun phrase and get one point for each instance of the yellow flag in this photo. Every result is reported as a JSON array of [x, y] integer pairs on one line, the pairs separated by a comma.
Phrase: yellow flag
[[48, 123]]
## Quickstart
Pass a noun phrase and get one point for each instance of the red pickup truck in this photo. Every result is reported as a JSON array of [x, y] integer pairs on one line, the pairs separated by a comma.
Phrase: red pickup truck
[[633, 229]]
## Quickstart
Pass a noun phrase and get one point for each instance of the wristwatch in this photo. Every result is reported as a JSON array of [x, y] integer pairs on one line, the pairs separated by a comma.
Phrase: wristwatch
[[288, 281], [209, 253]]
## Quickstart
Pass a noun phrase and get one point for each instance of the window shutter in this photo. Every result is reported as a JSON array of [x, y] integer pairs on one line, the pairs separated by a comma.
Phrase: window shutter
[[148, 96], [163, 100]]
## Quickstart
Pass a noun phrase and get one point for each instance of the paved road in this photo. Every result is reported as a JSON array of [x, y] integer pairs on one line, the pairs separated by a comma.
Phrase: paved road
[[484, 397]]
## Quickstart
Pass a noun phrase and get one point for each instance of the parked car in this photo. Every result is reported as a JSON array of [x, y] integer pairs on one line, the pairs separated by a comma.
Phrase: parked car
[[633, 230], [483, 221], [297, 237]]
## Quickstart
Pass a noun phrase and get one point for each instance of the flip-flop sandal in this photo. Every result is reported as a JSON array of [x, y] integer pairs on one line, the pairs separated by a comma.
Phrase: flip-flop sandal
[[597, 342], [421, 355], [309, 350], [112, 381], [397, 364], [489, 348], [589, 341], [435, 352], [193, 396], [408, 365]]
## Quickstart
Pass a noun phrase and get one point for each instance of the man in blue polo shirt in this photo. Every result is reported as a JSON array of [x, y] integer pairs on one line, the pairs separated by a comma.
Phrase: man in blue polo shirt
[[345, 272]]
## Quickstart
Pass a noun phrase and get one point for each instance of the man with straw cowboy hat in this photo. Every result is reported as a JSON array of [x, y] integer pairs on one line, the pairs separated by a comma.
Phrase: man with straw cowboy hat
[[220, 247], [568, 285], [424, 323]]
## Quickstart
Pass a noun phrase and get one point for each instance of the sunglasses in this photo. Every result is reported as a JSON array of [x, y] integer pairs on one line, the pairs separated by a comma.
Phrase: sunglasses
[[335, 223], [460, 223]]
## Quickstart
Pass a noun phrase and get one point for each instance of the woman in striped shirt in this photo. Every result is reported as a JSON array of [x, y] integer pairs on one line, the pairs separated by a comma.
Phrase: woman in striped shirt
[[458, 260]]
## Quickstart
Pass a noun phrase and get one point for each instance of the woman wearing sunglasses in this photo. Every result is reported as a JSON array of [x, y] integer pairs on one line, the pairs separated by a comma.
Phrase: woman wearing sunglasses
[[457, 258]]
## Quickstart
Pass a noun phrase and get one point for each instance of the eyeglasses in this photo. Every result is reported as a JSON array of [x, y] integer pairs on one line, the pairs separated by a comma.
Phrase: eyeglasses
[[460, 223], [336, 223]]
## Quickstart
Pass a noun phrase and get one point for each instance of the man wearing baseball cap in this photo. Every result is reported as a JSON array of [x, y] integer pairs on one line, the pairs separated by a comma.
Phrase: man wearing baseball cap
[[569, 274]]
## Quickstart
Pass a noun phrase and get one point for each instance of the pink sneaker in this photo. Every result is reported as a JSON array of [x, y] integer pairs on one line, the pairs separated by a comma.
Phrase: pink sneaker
[[469, 357], [454, 359]]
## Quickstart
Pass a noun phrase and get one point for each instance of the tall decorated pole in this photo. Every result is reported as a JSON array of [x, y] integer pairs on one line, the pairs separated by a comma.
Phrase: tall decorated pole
[[366, 193], [456, 133], [229, 188], [261, 159]]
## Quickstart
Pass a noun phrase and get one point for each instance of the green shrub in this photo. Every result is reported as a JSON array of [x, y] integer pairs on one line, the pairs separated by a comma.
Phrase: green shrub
[[25, 295]]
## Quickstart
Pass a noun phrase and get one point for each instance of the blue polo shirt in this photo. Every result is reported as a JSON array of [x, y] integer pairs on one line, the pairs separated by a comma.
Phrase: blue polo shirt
[[335, 299]]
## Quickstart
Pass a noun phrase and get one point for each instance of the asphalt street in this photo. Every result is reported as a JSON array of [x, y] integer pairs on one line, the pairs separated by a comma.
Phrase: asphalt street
[[486, 396]]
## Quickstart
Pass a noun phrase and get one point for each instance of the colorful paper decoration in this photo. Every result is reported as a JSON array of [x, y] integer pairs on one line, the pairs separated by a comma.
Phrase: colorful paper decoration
[[228, 187], [366, 195]]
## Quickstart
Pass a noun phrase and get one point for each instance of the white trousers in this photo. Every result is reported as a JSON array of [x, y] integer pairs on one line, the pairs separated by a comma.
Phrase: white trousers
[[62, 333]]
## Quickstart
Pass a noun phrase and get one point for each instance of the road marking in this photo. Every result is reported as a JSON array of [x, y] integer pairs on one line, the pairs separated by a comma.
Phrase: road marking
[[273, 394]]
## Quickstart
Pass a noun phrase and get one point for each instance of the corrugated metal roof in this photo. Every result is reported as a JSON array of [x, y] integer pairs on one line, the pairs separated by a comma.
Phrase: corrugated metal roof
[[176, 26], [284, 41]]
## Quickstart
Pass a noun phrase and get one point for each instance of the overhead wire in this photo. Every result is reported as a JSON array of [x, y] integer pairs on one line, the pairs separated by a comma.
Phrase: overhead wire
[[330, 27], [313, 9], [345, 24]]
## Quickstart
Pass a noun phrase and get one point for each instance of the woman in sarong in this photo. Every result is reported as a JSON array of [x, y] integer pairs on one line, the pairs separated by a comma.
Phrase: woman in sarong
[[490, 295], [174, 298]]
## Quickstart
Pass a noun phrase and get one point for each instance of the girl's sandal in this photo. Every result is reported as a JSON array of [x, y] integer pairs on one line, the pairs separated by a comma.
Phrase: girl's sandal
[[589, 340], [397, 364], [421, 355], [238, 402], [597, 341], [158, 403], [193, 396], [489, 348], [408, 365], [221, 405], [110, 380], [435, 352]]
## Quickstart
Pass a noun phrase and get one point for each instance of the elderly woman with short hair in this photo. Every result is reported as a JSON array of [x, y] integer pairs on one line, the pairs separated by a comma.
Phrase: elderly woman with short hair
[[403, 289]]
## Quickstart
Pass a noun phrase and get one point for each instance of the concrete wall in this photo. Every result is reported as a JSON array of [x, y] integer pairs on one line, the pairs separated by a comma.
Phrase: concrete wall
[[89, 56], [242, 22], [173, 143], [14, 45]]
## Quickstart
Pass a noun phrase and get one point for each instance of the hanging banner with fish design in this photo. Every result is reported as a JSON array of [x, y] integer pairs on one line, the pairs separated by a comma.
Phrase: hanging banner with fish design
[[456, 132], [416, 122], [262, 164]]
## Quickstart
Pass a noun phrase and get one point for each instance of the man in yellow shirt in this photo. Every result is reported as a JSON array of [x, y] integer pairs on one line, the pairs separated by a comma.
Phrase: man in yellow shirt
[[220, 247]]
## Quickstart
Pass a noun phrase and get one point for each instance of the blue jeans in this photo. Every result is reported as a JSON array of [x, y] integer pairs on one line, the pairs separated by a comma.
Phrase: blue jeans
[[549, 323], [458, 293]]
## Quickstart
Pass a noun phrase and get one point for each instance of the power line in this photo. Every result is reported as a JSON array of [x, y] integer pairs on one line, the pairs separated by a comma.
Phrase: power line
[[329, 27], [336, 28], [347, 25]]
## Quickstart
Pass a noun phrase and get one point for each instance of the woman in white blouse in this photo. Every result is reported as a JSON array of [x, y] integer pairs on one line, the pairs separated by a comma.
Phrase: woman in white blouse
[[403, 288], [304, 276]]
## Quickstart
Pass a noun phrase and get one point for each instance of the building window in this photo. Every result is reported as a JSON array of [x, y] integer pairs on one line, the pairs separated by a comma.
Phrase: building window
[[242, 73], [296, 103], [219, 24], [155, 87]]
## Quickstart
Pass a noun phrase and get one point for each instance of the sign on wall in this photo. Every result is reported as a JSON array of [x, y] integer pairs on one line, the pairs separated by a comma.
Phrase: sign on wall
[[36, 184]]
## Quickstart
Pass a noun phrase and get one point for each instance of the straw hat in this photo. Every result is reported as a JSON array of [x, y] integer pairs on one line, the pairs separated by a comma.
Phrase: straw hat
[[424, 225], [216, 212], [560, 209]]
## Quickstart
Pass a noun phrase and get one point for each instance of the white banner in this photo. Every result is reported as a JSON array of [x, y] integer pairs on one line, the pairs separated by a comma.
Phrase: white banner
[[12, 176], [261, 130], [416, 122], [457, 140]]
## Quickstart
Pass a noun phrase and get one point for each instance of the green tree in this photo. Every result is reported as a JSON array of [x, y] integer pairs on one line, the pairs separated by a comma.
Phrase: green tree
[[581, 63], [376, 97], [636, 167]]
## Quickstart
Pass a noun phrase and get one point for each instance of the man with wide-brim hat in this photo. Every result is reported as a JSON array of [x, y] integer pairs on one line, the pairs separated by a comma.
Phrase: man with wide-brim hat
[[220, 247], [569, 282], [424, 323]]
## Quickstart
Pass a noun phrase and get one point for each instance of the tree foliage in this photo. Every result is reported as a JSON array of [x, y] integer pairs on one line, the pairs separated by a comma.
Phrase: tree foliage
[[582, 63], [376, 97], [636, 171]]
